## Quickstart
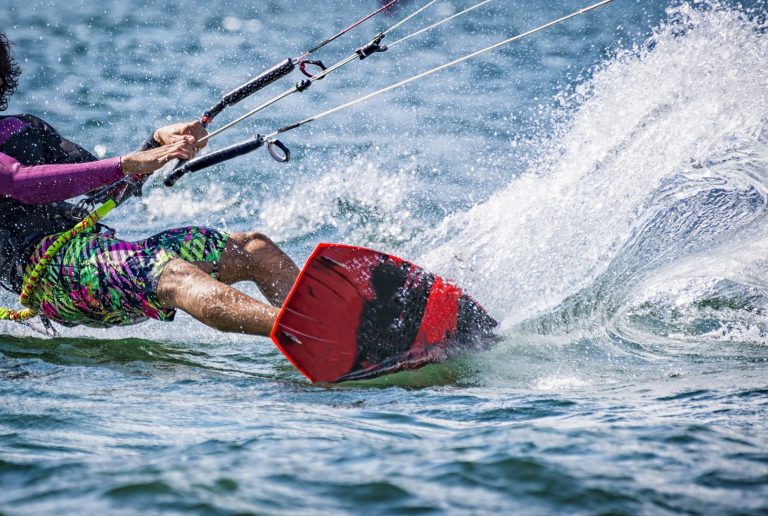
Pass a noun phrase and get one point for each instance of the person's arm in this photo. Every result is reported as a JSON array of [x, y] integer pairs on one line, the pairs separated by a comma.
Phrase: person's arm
[[43, 184]]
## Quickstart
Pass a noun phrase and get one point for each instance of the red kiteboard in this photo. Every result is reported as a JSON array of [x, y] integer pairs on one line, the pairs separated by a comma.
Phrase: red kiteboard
[[356, 313]]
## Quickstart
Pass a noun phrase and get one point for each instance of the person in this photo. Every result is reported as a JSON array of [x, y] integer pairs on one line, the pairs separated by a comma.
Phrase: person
[[96, 279]]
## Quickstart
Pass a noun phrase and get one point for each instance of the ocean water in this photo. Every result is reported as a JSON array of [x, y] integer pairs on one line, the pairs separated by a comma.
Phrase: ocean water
[[601, 187]]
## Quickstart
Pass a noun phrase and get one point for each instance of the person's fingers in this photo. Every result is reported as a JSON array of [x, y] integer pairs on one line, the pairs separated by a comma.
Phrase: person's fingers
[[187, 142], [196, 130], [181, 150], [180, 138], [187, 146], [182, 153], [146, 162], [178, 155], [171, 134], [193, 147]]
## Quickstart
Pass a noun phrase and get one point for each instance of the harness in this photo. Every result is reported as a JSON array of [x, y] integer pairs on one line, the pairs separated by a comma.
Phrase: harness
[[31, 281]]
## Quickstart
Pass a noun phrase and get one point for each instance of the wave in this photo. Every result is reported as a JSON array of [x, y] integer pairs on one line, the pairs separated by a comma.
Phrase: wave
[[644, 216]]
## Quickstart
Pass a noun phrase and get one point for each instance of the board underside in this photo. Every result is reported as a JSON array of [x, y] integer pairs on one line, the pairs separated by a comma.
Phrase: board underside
[[355, 313]]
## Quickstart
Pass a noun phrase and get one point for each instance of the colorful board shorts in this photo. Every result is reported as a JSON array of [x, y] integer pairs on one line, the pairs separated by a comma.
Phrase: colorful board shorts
[[98, 280]]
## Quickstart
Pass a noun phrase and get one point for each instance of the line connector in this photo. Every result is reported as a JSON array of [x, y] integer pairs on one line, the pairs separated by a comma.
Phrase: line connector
[[303, 85], [372, 47]]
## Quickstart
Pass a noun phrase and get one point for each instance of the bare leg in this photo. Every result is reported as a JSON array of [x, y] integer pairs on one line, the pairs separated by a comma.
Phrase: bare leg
[[185, 286], [253, 257]]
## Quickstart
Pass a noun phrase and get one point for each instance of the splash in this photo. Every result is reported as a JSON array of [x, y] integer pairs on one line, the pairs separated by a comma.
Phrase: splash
[[177, 206], [659, 158], [360, 200]]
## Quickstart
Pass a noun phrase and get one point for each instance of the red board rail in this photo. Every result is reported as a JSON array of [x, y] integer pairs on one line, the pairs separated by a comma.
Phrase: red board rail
[[355, 313]]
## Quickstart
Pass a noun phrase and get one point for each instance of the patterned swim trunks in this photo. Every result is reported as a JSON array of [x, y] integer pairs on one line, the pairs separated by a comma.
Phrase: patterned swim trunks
[[99, 280]]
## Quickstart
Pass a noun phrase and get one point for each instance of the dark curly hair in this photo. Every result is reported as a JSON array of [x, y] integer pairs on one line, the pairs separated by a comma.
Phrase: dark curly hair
[[9, 72]]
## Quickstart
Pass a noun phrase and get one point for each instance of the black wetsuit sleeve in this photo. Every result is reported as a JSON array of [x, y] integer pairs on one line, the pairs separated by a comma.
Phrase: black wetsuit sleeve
[[54, 148], [74, 152], [150, 143], [58, 149]]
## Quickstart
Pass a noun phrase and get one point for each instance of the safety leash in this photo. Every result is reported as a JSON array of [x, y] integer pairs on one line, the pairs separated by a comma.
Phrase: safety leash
[[31, 281]]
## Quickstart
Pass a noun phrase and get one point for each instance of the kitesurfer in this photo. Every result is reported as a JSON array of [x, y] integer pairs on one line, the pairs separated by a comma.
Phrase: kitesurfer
[[96, 279]]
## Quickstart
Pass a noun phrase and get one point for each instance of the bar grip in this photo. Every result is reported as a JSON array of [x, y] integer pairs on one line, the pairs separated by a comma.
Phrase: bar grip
[[214, 158], [265, 78]]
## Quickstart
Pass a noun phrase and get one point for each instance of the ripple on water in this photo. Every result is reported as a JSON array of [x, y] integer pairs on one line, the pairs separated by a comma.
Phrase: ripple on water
[[625, 218]]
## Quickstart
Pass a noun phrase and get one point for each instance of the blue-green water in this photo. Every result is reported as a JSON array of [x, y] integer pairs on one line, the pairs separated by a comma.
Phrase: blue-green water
[[601, 187]]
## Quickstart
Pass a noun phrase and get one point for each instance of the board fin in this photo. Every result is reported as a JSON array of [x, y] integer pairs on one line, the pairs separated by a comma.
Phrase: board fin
[[356, 313]]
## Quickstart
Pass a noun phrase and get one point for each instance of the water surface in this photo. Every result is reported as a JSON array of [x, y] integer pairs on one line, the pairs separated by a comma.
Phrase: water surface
[[601, 187]]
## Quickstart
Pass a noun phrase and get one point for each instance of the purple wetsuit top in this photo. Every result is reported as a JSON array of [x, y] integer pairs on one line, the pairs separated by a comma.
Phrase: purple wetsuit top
[[39, 169], [43, 184]]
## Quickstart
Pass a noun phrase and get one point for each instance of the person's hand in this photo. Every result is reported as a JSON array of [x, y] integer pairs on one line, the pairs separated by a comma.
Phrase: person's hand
[[146, 162], [175, 132]]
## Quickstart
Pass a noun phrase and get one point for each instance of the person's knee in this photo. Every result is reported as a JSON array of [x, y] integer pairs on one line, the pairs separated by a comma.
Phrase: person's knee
[[257, 250], [173, 281], [184, 286], [253, 241], [252, 256]]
